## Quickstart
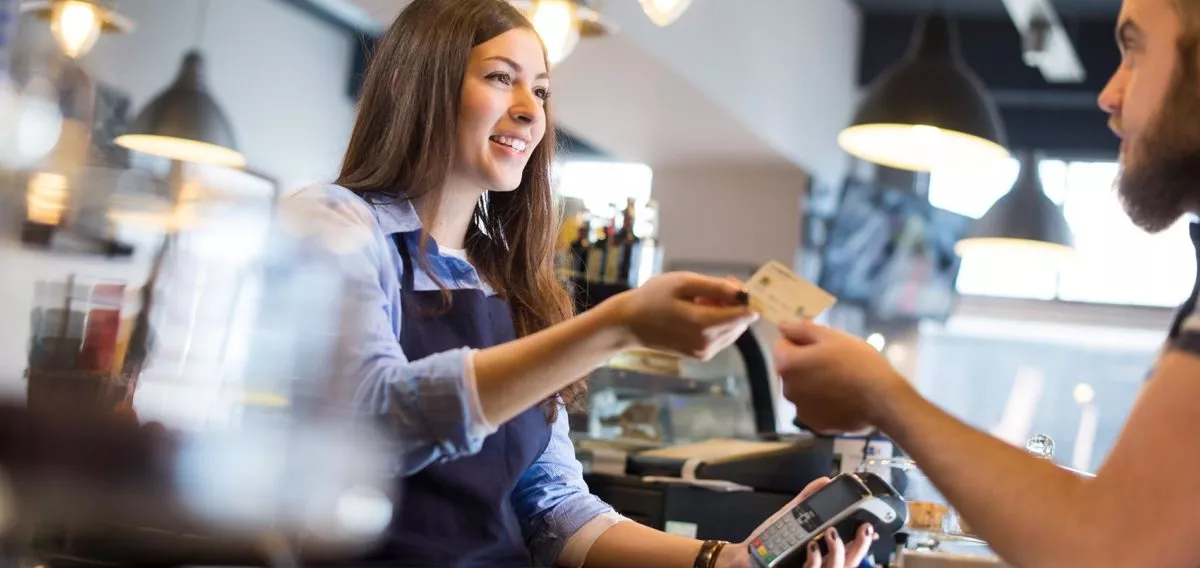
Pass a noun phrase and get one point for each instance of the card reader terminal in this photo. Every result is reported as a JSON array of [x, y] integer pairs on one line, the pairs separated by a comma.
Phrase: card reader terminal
[[848, 501]]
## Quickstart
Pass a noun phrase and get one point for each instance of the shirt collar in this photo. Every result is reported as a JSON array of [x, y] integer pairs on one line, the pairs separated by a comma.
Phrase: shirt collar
[[394, 214]]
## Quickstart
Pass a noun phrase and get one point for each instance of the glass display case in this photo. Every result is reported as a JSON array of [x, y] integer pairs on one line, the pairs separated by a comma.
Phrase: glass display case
[[645, 399]]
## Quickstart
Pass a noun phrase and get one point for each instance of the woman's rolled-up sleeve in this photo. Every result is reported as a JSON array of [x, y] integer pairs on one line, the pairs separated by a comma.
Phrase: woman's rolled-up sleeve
[[552, 500]]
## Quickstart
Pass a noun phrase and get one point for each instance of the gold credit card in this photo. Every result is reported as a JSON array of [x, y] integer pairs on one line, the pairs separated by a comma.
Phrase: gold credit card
[[778, 294]]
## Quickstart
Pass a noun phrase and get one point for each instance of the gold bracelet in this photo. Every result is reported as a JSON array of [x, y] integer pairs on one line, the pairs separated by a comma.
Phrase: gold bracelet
[[705, 556], [709, 551], [716, 553]]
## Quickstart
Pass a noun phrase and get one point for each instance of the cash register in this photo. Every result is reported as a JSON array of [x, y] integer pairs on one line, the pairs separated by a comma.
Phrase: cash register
[[667, 442]]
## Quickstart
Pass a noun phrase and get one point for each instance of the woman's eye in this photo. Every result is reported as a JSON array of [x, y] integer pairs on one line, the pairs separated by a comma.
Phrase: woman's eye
[[542, 93], [501, 77]]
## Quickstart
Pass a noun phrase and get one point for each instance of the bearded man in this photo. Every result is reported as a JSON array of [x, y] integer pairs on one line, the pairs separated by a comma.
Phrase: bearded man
[[1143, 506]]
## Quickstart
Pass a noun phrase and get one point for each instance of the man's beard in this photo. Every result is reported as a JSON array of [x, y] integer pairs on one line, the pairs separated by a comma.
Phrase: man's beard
[[1161, 181]]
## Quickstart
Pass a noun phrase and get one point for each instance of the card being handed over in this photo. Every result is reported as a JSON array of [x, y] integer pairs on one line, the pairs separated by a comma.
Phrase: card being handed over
[[778, 294]]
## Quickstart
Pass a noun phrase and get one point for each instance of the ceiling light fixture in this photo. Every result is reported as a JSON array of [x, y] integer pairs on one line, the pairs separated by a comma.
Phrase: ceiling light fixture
[[928, 110], [184, 122], [77, 24], [664, 12], [561, 23], [1023, 221]]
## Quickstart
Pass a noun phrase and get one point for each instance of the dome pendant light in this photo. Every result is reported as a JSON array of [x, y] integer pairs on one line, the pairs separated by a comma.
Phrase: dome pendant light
[[561, 23], [927, 111], [184, 122], [1023, 221], [77, 24], [664, 12]]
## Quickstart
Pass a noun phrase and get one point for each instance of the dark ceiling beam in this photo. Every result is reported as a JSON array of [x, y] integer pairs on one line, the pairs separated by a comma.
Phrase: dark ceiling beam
[[1057, 118], [992, 48], [1026, 98]]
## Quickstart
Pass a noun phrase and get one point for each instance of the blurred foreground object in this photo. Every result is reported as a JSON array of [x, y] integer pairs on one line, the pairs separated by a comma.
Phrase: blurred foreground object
[[192, 413], [169, 384], [184, 402], [85, 488]]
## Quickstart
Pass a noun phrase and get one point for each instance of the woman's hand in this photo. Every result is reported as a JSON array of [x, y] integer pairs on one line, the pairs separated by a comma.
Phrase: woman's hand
[[684, 313], [680, 313], [841, 554]]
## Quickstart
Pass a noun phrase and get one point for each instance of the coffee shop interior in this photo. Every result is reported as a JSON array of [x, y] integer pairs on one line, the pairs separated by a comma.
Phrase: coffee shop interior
[[940, 167]]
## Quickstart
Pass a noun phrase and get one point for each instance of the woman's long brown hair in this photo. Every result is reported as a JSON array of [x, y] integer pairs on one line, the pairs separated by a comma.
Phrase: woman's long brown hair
[[403, 146]]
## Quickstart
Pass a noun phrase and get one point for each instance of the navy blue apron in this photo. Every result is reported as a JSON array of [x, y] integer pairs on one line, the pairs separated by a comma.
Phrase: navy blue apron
[[459, 513]]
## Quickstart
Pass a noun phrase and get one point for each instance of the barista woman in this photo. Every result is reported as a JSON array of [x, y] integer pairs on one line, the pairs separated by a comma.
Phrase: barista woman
[[470, 354]]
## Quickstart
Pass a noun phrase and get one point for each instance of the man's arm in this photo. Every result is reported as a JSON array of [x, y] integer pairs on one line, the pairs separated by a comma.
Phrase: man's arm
[[1140, 510]]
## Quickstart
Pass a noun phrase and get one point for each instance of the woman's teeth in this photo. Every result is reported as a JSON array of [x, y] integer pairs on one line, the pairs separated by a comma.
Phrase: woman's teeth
[[514, 143]]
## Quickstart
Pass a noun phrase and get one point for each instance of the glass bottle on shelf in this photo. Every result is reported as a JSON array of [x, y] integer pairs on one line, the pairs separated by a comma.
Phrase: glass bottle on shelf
[[614, 253], [564, 261], [632, 245], [580, 249], [596, 256]]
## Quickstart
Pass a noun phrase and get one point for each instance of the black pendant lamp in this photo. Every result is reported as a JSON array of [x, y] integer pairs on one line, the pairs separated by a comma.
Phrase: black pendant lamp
[[184, 122], [929, 110], [1024, 220]]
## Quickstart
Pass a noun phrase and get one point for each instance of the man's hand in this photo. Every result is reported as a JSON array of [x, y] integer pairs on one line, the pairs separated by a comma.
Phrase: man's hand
[[836, 381], [1030, 512]]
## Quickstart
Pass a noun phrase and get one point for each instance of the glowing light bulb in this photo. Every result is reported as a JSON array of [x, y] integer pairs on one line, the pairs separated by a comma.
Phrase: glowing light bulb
[[1084, 393], [877, 341], [34, 123], [555, 21], [897, 355], [664, 12], [46, 198], [76, 26]]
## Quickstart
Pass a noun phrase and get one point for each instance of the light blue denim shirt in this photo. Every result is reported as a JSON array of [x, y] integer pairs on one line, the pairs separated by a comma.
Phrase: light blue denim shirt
[[425, 405]]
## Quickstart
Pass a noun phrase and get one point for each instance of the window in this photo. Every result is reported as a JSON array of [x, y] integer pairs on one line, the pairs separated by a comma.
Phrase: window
[[1075, 383], [1116, 262], [601, 190], [602, 185]]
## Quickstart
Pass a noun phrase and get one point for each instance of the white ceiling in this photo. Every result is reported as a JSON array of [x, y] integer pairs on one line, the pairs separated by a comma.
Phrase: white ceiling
[[784, 68], [626, 102], [382, 10], [615, 95]]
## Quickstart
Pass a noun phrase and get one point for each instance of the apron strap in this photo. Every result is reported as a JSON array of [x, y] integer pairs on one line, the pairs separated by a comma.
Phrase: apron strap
[[406, 262]]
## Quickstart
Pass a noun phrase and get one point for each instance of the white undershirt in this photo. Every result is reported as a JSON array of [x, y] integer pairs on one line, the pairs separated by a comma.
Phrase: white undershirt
[[460, 254]]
